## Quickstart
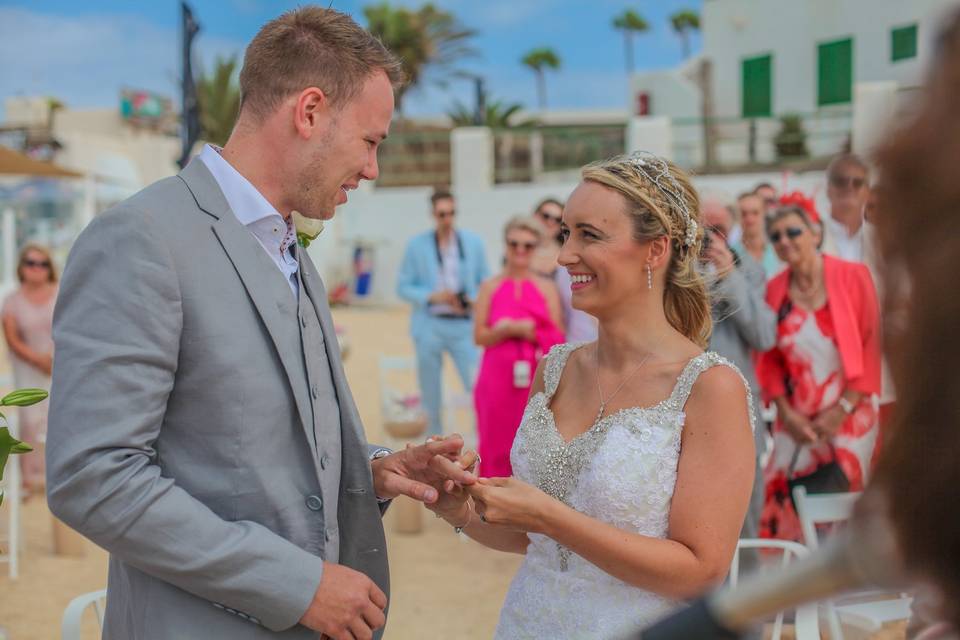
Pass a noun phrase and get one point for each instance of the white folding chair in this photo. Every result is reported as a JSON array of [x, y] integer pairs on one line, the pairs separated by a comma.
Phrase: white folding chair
[[805, 620], [10, 489], [865, 611], [70, 627]]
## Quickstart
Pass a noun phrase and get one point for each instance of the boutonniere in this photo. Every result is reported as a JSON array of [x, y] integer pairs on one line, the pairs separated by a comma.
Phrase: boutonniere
[[307, 229]]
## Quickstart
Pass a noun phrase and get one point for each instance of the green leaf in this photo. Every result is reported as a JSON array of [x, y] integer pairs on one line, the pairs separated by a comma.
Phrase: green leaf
[[8, 445], [23, 397]]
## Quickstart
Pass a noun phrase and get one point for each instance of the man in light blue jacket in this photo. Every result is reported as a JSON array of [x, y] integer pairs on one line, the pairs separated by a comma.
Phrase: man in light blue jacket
[[441, 272]]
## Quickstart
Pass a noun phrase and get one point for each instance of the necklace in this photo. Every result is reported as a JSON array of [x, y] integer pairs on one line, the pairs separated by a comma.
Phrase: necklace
[[604, 402]]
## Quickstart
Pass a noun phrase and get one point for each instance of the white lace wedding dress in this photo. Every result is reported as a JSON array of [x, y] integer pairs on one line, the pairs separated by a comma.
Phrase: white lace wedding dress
[[622, 471]]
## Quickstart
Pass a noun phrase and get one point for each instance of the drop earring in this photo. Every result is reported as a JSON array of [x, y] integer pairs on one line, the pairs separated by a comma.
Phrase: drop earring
[[649, 277]]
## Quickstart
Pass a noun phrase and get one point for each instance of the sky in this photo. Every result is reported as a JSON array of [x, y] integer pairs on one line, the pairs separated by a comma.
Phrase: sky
[[84, 53]]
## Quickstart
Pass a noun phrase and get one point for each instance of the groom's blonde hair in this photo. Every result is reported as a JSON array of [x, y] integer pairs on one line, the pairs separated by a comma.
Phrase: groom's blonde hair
[[311, 47]]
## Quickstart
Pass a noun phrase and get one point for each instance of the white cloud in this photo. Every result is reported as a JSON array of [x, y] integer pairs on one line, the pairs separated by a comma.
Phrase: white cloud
[[86, 61]]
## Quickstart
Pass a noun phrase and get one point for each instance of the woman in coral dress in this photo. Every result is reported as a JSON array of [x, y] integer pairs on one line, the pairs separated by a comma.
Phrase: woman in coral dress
[[823, 374], [517, 320]]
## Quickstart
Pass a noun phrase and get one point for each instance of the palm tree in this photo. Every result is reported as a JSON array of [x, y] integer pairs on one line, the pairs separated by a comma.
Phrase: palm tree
[[683, 22], [538, 60], [631, 23], [497, 115], [219, 97], [428, 41]]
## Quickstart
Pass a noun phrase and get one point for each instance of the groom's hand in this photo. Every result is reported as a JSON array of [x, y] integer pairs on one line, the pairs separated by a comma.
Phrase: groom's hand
[[420, 471], [347, 605]]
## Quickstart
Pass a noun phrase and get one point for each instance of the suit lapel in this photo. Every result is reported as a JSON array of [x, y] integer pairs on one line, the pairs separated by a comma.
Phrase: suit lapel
[[264, 283]]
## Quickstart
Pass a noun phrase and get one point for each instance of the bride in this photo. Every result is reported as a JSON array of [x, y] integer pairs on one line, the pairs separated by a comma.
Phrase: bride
[[634, 459]]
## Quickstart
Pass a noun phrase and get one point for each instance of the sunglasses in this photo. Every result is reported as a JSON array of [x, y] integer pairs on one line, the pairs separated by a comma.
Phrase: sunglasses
[[549, 218], [44, 264], [526, 246], [792, 233], [843, 182], [446, 214]]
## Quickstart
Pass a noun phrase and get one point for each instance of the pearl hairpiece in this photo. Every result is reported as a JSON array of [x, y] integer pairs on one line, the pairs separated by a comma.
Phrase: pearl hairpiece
[[656, 170]]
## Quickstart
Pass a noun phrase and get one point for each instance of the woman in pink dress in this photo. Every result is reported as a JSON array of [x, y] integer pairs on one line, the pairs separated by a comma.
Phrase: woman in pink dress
[[517, 320], [823, 374], [27, 316]]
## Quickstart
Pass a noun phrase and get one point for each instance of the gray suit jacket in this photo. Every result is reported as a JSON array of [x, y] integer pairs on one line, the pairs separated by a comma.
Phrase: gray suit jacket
[[180, 431]]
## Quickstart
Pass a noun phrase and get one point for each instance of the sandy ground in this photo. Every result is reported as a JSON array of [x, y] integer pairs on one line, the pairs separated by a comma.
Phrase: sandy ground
[[443, 586]]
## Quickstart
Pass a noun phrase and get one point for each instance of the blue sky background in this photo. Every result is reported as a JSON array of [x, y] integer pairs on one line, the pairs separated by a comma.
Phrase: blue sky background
[[85, 52]]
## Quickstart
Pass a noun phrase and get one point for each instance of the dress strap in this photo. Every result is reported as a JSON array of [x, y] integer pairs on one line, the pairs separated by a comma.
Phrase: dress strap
[[556, 360], [690, 373]]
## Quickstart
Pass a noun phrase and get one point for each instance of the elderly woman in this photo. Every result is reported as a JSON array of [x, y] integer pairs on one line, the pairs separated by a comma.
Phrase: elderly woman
[[823, 373], [517, 320]]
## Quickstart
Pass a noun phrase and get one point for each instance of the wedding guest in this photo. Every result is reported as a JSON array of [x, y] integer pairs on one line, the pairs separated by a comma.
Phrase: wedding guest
[[768, 193], [439, 276], [824, 372], [548, 212], [848, 189], [27, 326], [518, 319], [917, 223], [753, 241], [743, 325]]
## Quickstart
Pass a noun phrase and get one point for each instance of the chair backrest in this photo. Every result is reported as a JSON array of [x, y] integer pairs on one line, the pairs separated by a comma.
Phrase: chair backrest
[[821, 508], [805, 620], [70, 627]]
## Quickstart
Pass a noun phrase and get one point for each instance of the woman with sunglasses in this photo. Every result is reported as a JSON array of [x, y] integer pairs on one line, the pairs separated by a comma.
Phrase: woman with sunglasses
[[548, 213], [517, 321], [27, 315], [823, 373]]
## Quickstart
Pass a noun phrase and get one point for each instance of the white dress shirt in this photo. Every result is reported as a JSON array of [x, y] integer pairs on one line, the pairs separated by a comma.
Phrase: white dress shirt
[[275, 234], [841, 244]]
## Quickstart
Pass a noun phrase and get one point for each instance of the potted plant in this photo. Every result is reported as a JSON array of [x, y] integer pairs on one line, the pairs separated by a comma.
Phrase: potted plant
[[791, 140], [9, 444]]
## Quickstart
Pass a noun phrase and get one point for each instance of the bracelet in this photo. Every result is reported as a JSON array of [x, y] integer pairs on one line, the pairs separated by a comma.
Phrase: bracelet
[[846, 406], [464, 525]]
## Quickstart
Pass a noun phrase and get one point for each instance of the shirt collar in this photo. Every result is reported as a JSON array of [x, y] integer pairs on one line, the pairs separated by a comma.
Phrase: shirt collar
[[247, 204]]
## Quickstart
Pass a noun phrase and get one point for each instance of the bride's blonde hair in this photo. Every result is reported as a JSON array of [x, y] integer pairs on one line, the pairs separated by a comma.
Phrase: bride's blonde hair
[[655, 214]]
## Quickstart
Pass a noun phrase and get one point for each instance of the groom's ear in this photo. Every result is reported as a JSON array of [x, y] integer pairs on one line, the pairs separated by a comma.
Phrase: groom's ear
[[311, 112]]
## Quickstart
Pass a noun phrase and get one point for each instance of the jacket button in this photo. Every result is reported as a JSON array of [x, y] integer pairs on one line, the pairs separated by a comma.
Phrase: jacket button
[[324, 461], [314, 503], [303, 322], [316, 392]]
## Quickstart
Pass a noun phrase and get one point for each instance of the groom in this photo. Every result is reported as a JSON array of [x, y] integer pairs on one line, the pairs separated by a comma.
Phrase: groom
[[201, 427]]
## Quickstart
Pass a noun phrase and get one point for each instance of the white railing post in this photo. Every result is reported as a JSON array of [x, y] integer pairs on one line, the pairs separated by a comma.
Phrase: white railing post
[[650, 133], [471, 158], [874, 107]]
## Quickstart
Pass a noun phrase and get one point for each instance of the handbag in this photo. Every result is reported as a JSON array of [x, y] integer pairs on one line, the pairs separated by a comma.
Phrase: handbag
[[827, 478]]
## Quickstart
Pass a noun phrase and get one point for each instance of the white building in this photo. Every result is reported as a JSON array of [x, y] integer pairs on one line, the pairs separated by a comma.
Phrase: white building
[[769, 58]]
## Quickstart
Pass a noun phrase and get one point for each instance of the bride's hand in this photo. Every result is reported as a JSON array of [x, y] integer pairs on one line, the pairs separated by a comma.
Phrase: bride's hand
[[511, 503], [451, 505]]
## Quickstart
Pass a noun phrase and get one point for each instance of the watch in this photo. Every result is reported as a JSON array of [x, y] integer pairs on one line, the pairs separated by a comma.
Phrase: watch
[[382, 452], [847, 406]]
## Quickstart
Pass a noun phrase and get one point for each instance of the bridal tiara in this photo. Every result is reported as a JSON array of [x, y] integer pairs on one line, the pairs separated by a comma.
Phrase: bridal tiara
[[655, 169]]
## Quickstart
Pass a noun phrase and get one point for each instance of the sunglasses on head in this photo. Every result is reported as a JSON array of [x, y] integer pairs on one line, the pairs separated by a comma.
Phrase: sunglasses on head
[[526, 246], [842, 182], [791, 232], [45, 264], [446, 213], [548, 217]]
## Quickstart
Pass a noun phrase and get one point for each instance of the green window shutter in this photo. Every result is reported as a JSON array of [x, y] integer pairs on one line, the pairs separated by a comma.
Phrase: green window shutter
[[835, 72], [757, 83], [903, 43]]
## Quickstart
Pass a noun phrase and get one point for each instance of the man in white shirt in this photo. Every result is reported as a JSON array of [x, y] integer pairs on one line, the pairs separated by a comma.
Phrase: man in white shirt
[[848, 188]]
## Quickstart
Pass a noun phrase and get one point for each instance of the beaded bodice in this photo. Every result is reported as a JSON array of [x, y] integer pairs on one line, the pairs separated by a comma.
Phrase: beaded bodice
[[621, 471]]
